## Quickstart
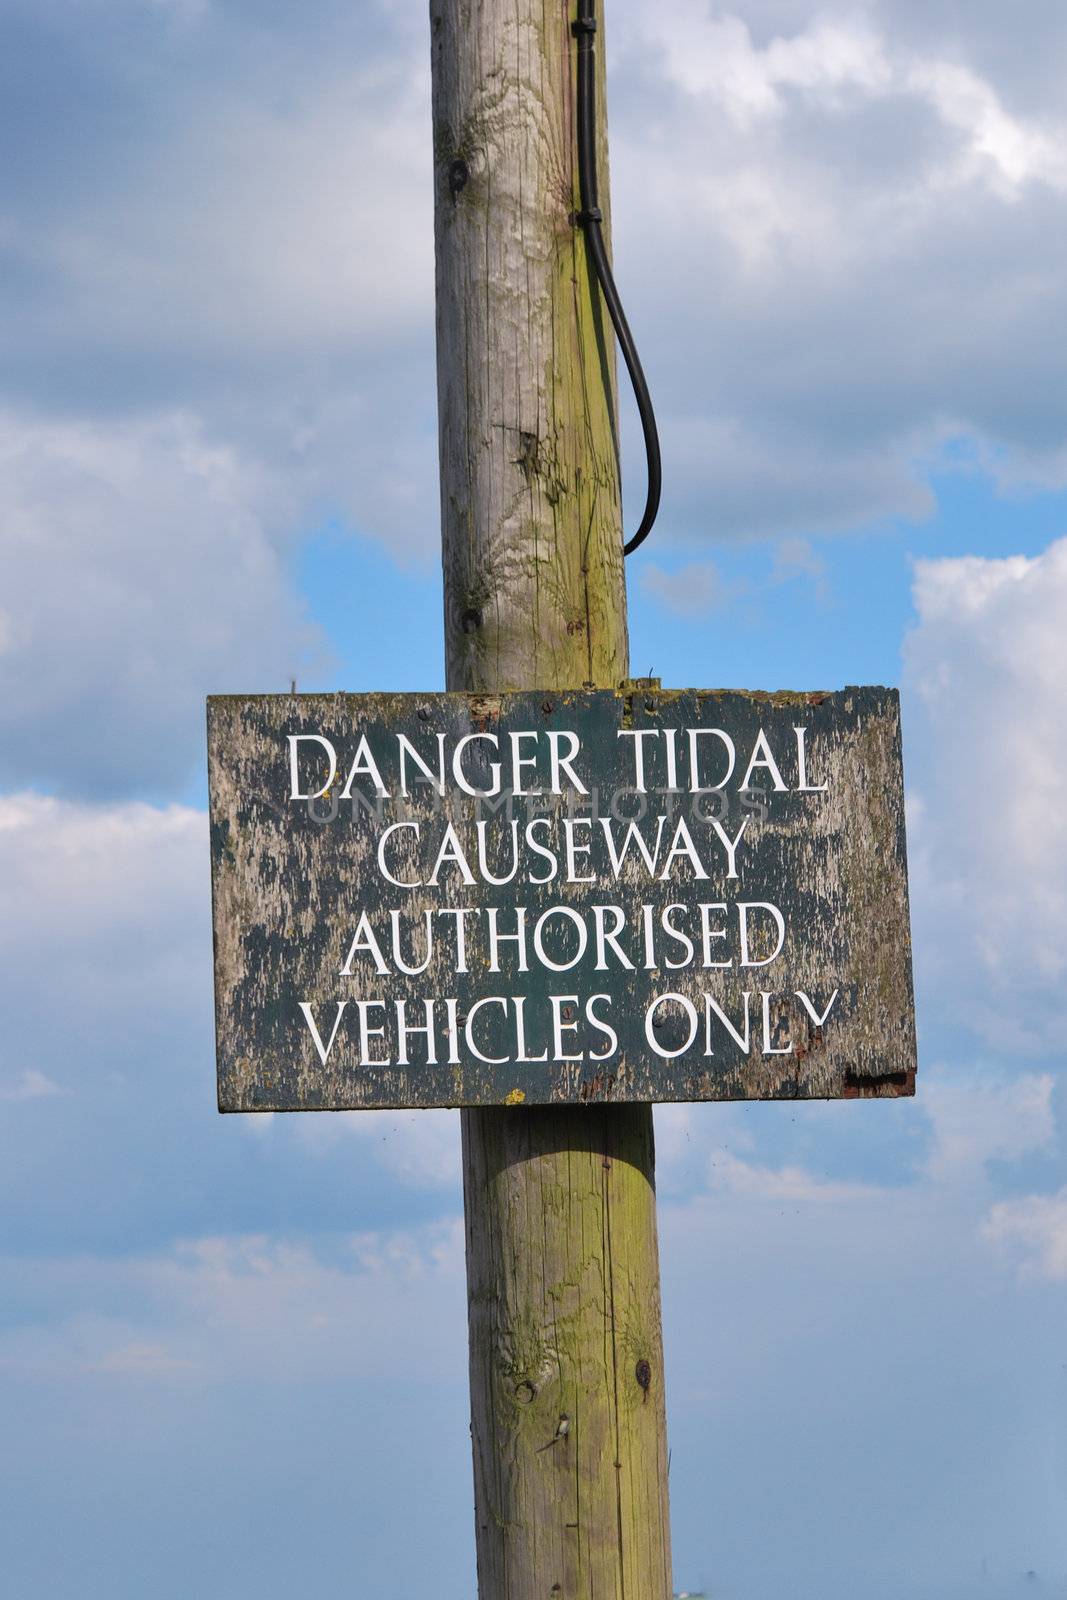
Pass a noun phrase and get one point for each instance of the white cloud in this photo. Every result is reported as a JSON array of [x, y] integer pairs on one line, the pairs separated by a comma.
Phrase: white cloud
[[420, 1147], [979, 1117], [1018, 152], [28, 1085], [105, 907], [985, 671], [139, 1360], [251, 1307], [1033, 1230], [840, 61], [692, 591], [716, 56], [143, 565], [795, 558], [838, 229], [269, 1303], [108, 1124], [108, 906], [293, 224], [786, 1185], [256, 251]]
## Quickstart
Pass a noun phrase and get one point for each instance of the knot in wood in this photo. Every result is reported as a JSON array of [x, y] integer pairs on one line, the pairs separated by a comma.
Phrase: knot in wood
[[458, 174]]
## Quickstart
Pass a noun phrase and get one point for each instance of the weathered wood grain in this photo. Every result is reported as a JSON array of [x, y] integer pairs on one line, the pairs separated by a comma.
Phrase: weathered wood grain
[[570, 1456], [530, 496], [535, 599]]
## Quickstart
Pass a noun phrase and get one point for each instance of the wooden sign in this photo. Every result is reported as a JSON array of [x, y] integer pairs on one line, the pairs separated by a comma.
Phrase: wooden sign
[[445, 900]]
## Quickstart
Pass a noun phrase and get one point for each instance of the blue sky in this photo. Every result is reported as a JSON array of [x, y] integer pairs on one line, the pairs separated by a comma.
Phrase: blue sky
[[233, 1351]]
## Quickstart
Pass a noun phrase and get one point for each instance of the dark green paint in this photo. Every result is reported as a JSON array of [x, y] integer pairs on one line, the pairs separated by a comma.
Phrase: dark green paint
[[288, 891]]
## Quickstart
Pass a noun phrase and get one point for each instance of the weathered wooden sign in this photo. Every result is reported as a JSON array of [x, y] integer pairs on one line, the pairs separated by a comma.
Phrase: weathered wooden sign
[[443, 900]]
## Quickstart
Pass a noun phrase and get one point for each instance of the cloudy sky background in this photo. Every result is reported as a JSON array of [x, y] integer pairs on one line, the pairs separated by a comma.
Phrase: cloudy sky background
[[232, 1352]]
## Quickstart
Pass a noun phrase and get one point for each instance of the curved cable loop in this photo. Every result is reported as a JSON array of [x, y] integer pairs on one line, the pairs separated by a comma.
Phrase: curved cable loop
[[591, 218]]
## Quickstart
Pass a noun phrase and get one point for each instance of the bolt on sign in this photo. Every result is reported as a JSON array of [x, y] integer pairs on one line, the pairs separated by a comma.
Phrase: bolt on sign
[[450, 899]]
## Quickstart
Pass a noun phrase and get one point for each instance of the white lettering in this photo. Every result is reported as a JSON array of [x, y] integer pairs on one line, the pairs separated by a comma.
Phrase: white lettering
[[819, 1022], [574, 849], [609, 936], [769, 1030], [364, 941], [457, 764], [802, 766], [541, 924], [682, 845], [323, 1049], [367, 1033], [395, 827], [363, 766], [742, 1040], [603, 1027], [294, 779], [762, 757], [650, 1024], [743, 909], [518, 760], [451, 851], [639, 735], [405, 1029], [561, 1026], [468, 1027], [562, 763], [407, 749], [730, 845], [695, 734], [633, 835]]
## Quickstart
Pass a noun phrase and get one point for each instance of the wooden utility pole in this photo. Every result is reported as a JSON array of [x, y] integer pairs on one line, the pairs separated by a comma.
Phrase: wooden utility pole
[[566, 1359]]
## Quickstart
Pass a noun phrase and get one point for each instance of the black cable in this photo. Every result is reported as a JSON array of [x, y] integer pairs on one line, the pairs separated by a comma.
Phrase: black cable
[[591, 218]]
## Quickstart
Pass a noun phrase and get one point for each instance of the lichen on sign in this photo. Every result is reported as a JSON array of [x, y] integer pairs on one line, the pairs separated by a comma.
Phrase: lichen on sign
[[448, 899]]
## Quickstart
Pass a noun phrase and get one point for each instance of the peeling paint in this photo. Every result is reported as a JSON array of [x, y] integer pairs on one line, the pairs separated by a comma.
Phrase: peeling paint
[[290, 882]]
